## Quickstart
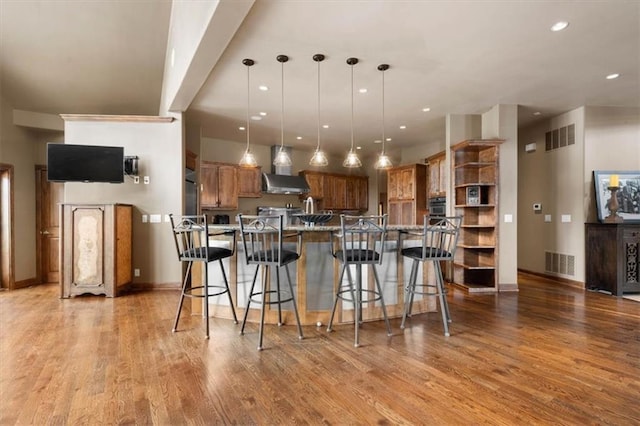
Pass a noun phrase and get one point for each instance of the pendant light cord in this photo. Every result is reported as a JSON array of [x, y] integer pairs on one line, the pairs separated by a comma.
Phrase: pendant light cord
[[351, 108], [248, 105], [383, 137], [282, 106], [318, 145]]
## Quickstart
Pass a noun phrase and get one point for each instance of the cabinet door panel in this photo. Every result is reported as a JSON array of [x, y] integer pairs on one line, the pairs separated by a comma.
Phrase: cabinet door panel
[[250, 182], [227, 187], [209, 186]]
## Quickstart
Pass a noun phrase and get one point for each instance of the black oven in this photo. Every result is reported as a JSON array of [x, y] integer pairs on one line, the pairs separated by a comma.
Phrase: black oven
[[438, 206]]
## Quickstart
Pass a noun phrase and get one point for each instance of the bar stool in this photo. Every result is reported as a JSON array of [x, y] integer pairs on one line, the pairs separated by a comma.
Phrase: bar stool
[[262, 240], [439, 238], [192, 244], [362, 243]]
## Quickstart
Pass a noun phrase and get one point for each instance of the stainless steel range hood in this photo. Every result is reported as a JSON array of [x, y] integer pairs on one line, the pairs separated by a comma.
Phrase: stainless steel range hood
[[284, 184]]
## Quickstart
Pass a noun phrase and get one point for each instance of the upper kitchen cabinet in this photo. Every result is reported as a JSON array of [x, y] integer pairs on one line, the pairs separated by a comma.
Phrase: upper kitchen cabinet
[[249, 182], [335, 191], [407, 194], [437, 175], [219, 185]]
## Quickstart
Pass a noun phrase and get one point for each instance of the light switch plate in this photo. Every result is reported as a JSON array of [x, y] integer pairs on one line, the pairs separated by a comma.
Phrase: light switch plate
[[155, 218], [145, 218], [547, 218], [167, 218], [146, 180], [566, 218], [136, 179], [508, 218]]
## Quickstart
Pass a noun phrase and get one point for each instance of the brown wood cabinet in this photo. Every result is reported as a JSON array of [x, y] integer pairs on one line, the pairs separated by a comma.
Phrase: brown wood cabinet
[[613, 257], [219, 186], [475, 167], [249, 182], [338, 192], [407, 194], [95, 248], [437, 175]]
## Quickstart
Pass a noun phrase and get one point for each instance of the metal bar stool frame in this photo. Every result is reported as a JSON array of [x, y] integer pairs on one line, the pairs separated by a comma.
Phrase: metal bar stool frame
[[191, 238], [439, 239], [361, 243], [262, 240]]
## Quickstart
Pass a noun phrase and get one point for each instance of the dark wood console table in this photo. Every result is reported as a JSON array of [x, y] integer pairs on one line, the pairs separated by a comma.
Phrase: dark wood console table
[[613, 257]]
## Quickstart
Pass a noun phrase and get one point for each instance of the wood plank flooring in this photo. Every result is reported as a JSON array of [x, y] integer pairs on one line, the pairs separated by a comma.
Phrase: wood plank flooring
[[548, 354]]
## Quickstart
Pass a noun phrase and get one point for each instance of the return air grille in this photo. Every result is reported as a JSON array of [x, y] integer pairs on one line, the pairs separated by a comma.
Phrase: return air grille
[[559, 138], [558, 263]]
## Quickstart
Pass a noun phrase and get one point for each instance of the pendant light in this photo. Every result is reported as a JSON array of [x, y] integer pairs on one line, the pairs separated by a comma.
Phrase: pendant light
[[282, 158], [248, 159], [383, 159], [319, 158], [352, 160]]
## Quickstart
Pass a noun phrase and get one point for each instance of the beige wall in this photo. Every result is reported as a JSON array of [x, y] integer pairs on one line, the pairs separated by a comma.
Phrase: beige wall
[[612, 142], [562, 180], [160, 149], [502, 122], [23, 148]]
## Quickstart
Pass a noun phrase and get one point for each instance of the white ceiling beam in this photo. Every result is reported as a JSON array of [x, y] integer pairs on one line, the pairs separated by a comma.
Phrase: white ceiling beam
[[198, 35]]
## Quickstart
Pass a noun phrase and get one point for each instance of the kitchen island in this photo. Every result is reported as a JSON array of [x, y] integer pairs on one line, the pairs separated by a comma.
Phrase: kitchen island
[[316, 274]]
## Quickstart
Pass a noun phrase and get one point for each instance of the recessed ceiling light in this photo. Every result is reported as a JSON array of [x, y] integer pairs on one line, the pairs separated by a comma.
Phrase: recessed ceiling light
[[403, 127], [263, 114], [426, 109], [241, 128], [613, 76], [537, 113], [325, 126], [377, 141], [263, 88], [299, 137], [363, 90], [256, 117], [559, 26]]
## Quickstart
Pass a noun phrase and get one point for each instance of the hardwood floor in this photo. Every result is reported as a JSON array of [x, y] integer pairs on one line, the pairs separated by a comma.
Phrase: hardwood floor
[[546, 355]]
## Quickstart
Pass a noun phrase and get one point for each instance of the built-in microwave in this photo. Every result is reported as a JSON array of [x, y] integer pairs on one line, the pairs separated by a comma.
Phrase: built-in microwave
[[438, 206]]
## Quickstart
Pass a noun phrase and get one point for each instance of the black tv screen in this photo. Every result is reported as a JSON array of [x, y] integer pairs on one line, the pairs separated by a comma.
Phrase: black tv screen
[[85, 163]]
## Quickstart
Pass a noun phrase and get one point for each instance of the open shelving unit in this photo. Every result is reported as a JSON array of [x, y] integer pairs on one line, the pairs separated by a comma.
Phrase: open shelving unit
[[475, 174]]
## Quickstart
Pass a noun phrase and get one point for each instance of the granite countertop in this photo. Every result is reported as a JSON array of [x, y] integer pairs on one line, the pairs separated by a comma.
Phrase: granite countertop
[[316, 228]]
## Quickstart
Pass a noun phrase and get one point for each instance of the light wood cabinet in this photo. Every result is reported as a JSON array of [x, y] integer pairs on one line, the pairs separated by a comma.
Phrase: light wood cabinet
[[475, 174], [95, 248], [219, 186], [336, 191], [407, 194], [437, 175], [249, 182]]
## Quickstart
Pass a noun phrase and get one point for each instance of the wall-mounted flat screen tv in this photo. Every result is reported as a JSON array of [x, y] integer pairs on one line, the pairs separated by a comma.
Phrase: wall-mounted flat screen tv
[[85, 163]]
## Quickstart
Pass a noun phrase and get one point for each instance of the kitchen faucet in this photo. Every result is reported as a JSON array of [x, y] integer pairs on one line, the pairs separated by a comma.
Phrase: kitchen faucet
[[308, 205]]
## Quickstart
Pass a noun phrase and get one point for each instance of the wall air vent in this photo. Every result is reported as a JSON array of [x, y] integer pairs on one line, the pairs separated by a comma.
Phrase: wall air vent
[[559, 138], [558, 263]]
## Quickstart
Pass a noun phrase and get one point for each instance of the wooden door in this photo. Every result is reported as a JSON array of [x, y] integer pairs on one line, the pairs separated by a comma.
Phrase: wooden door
[[48, 197]]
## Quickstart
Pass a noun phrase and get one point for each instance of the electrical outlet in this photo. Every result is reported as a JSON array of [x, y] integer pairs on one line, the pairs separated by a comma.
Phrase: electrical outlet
[[146, 180], [136, 272], [566, 218], [136, 179], [167, 218]]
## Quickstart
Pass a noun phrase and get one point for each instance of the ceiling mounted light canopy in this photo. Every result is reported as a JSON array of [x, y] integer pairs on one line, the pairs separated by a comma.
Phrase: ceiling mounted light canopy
[[319, 158], [384, 162], [282, 158], [352, 160], [248, 159]]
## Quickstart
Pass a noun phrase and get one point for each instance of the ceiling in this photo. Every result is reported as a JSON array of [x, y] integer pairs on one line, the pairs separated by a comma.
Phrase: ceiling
[[454, 57]]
